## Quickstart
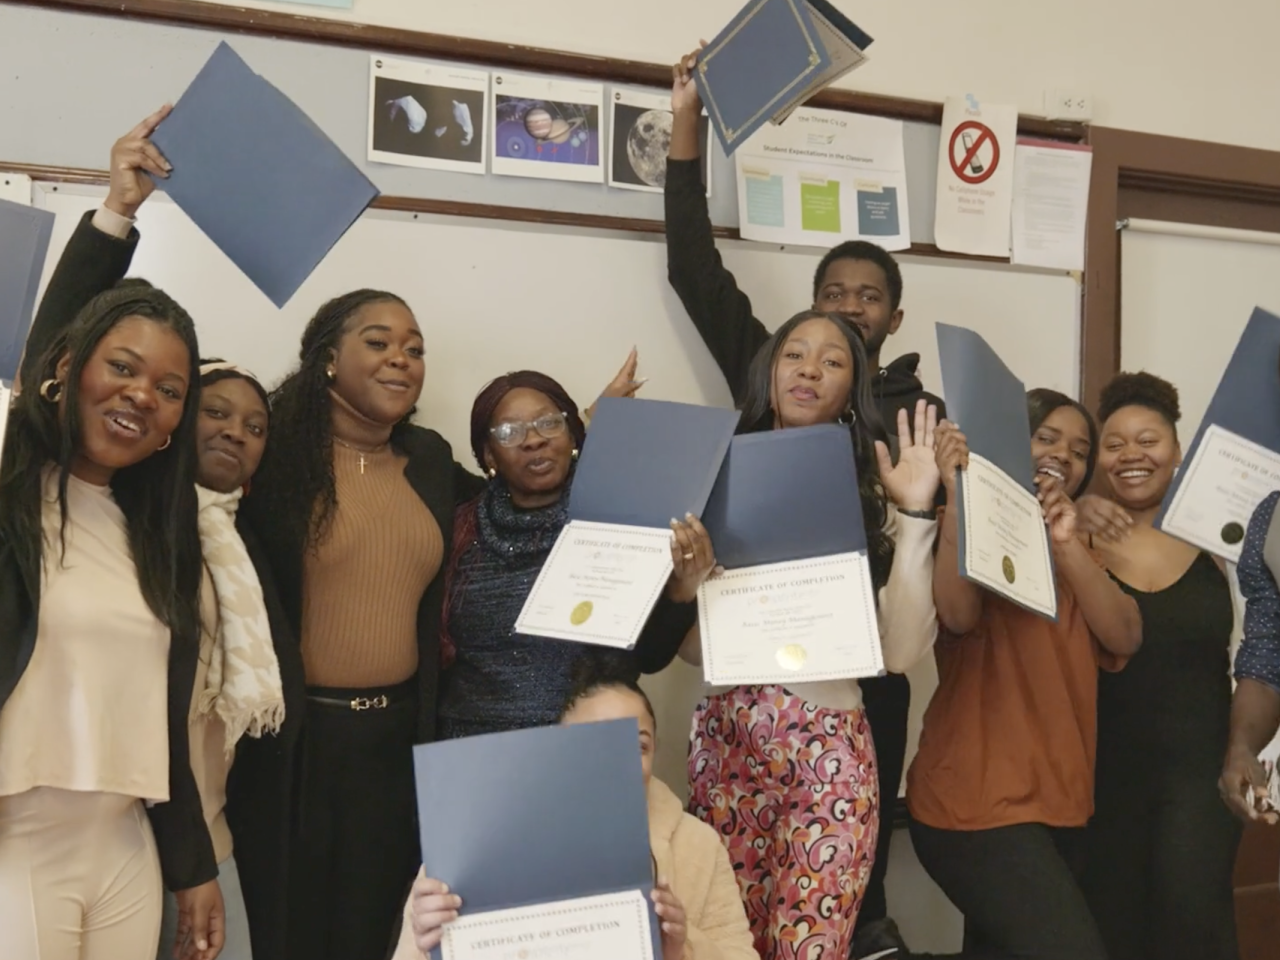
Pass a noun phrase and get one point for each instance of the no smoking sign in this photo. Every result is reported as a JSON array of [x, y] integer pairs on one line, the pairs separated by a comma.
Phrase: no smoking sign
[[975, 152]]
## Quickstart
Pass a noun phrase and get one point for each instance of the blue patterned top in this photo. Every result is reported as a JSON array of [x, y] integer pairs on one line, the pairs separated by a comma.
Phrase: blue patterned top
[[1259, 655]]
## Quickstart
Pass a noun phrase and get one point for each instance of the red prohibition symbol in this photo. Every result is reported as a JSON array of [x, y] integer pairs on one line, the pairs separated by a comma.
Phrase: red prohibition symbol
[[968, 167]]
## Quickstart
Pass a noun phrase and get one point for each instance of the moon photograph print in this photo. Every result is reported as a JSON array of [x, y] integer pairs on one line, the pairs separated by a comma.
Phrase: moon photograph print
[[641, 140]]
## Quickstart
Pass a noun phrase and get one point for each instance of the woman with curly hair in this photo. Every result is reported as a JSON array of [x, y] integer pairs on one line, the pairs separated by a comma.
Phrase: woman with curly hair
[[1163, 845]]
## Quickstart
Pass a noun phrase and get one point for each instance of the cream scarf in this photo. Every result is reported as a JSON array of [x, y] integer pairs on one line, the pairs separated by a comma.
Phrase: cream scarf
[[243, 685]]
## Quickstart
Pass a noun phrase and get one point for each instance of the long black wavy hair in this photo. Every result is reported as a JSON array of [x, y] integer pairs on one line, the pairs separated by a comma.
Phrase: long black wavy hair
[[1041, 402], [866, 428], [295, 482], [157, 495]]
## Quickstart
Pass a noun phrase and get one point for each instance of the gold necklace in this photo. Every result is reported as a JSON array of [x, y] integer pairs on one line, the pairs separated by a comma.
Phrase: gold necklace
[[361, 450]]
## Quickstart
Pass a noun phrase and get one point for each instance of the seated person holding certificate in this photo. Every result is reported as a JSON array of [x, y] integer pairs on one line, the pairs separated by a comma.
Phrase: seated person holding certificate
[[787, 774], [525, 434], [1162, 844], [863, 283], [1001, 788], [696, 898]]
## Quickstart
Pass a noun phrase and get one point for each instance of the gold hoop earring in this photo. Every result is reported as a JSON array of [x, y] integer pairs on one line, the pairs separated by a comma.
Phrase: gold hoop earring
[[330, 373], [51, 390], [165, 446], [575, 453]]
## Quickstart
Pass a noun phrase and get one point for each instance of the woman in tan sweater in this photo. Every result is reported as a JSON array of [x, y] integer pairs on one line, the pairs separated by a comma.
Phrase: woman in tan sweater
[[696, 897]]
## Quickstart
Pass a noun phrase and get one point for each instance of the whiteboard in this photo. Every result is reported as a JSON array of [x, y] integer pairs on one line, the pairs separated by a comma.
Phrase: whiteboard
[[493, 297], [1184, 301]]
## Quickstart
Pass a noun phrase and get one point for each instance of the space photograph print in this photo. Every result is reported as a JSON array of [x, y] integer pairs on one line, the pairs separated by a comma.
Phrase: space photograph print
[[548, 129], [640, 138], [427, 115]]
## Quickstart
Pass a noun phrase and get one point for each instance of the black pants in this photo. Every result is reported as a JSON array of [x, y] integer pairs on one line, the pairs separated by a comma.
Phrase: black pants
[[1161, 856], [356, 848], [887, 701], [1018, 889]]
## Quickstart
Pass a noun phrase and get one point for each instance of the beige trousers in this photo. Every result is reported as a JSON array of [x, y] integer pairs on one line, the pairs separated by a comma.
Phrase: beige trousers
[[79, 877]]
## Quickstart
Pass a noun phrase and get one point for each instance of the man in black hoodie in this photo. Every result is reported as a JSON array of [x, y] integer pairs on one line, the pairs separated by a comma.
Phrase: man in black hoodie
[[862, 283]]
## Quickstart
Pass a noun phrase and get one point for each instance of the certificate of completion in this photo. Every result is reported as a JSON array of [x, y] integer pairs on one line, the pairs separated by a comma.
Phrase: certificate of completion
[[599, 584], [1219, 490], [791, 622], [1004, 538], [614, 925]]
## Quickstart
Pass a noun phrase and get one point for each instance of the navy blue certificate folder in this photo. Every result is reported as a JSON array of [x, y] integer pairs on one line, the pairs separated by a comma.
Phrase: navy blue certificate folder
[[536, 816], [1247, 401], [755, 515], [986, 401], [647, 462], [258, 176], [24, 240], [773, 56]]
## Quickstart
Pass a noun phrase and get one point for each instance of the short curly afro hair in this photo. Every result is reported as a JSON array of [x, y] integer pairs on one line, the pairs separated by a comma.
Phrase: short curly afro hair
[[1140, 390]]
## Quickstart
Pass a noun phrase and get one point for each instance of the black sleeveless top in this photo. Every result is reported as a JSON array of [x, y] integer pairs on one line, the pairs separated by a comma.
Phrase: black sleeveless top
[[1172, 703]]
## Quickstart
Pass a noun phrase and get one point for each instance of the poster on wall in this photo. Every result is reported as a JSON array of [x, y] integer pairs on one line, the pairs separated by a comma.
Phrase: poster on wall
[[547, 129], [975, 177], [822, 177], [640, 135], [427, 115]]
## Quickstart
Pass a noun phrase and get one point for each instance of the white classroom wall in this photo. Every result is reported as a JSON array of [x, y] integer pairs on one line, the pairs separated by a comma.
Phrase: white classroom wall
[[1158, 66], [1145, 64]]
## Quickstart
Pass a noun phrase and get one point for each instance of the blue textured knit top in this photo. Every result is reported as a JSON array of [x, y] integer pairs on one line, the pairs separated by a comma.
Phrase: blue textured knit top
[[500, 679]]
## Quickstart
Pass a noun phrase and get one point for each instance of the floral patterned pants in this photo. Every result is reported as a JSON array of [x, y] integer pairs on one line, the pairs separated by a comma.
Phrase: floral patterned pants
[[791, 788]]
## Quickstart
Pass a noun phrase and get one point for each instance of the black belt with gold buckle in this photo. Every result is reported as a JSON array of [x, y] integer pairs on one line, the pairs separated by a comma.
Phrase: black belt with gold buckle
[[380, 702]]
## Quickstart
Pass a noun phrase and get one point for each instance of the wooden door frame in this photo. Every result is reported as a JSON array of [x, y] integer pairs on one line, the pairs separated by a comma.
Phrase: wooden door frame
[[1208, 183]]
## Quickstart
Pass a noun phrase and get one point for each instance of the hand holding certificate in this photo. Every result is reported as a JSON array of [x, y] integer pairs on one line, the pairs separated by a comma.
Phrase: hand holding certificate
[[1004, 543], [772, 57], [566, 872], [1234, 461], [644, 463]]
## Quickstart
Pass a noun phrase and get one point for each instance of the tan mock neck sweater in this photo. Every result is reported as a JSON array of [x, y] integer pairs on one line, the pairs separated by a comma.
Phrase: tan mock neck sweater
[[362, 586]]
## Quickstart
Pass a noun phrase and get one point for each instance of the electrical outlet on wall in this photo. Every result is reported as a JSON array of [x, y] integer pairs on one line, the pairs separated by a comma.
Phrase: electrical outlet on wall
[[1065, 104]]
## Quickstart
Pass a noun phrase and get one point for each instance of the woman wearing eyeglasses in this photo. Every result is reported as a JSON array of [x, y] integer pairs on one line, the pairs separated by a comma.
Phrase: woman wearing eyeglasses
[[526, 433]]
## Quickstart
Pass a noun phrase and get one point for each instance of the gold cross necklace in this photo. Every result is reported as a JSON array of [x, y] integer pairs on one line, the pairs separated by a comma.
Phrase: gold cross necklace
[[361, 450]]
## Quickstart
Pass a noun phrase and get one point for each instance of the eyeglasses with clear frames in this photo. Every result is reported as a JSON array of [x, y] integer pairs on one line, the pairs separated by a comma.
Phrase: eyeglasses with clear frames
[[512, 433]]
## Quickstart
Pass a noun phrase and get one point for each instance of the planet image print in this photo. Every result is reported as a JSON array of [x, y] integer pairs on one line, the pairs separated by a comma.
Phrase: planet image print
[[648, 142]]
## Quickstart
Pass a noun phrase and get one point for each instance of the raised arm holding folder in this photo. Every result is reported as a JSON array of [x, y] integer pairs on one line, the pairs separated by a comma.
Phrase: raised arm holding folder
[[645, 463], [1234, 461], [258, 176], [544, 834], [796, 601], [1004, 543], [771, 58], [24, 238]]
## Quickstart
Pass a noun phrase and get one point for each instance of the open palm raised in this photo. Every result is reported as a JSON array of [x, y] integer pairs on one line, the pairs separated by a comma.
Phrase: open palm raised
[[912, 483]]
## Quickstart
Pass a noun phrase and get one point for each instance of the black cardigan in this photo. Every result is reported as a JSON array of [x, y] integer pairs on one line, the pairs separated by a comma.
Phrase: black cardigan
[[91, 263]]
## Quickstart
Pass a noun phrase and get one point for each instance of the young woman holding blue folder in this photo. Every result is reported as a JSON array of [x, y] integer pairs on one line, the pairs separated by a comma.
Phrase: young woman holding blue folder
[[99, 594], [1162, 844], [787, 774], [1001, 787], [863, 283], [696, 898]]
